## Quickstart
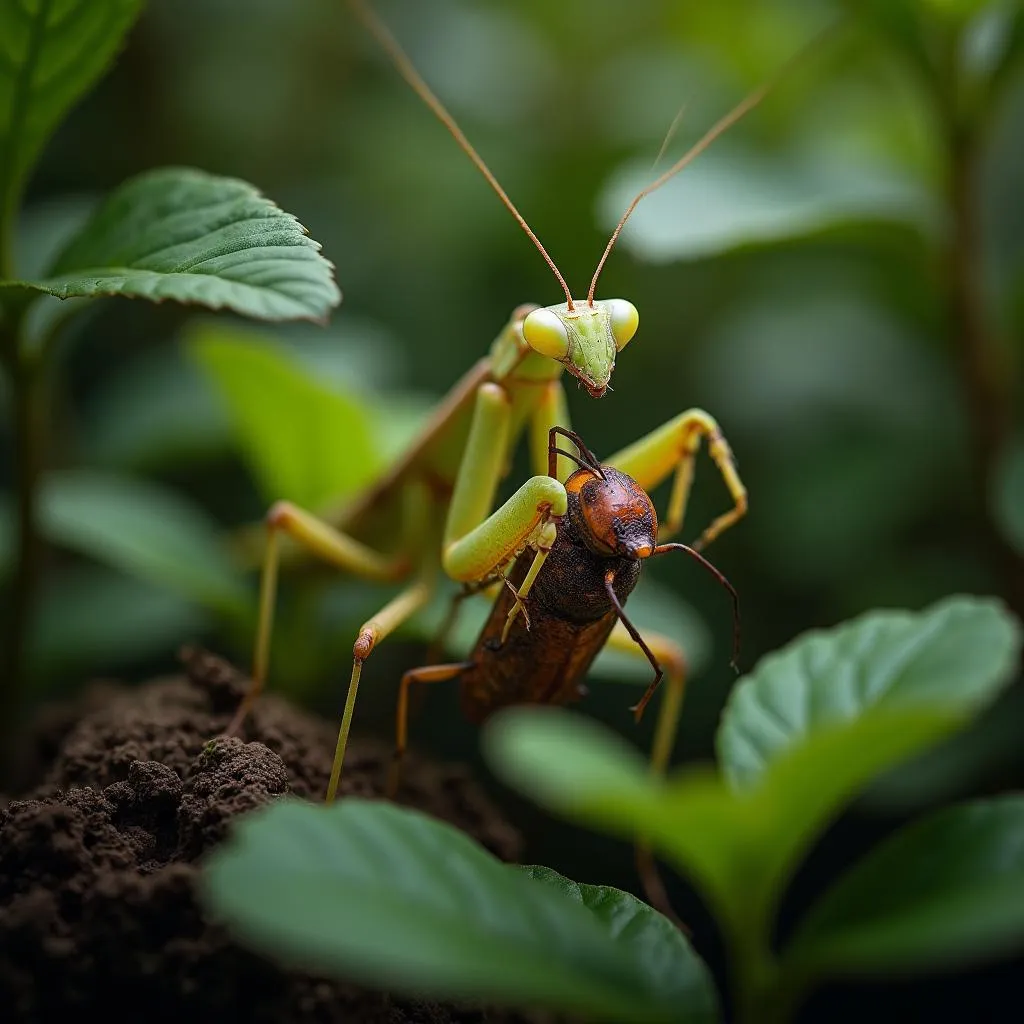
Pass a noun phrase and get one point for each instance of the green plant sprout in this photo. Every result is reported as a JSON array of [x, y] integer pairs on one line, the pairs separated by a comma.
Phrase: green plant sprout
[[172, 233], [369, 891]]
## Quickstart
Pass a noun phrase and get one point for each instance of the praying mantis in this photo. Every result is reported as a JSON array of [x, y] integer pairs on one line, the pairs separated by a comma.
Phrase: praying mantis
[[434, 513]]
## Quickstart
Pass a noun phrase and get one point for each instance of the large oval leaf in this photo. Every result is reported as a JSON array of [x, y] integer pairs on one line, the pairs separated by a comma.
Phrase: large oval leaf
[[385, 895], [953, 656], [144, 530], [303, 440], [51, 53], [182, 234], [731, 198], [949, 888]]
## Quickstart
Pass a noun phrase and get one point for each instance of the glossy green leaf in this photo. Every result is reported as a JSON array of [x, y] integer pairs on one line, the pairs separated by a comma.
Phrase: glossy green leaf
[[390, 897], [947, 889], [51, 51], [144, 530], [182, 234], [303, 441], [648, 940], [729, 199], [956, 656]]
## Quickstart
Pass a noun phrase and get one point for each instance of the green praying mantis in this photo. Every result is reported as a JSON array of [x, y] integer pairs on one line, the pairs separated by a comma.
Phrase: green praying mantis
[[433, 512]]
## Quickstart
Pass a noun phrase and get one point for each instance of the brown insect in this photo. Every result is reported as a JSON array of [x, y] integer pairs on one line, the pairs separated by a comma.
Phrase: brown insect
[[543, 634]]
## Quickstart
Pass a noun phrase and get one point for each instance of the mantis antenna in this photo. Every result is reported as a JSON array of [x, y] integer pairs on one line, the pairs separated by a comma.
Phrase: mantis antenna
[[407, 70], [719, 128]]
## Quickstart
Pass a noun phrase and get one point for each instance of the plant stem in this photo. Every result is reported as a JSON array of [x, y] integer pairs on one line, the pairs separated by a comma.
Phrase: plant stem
[[26, 381], [983, 358]]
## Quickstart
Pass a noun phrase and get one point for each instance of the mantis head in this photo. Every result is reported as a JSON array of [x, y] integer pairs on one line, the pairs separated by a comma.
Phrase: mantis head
[[584, 337]]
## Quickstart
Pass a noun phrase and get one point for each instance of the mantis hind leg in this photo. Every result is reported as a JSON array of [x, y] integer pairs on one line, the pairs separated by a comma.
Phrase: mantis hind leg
[[328, 544], [673, 447]]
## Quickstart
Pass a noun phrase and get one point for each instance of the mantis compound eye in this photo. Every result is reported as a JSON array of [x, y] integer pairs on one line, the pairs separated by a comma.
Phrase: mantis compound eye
[[545, 333], [625, 320]]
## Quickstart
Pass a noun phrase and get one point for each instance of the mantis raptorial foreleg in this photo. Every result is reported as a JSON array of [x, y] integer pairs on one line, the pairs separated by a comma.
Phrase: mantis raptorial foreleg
[[673, 447]]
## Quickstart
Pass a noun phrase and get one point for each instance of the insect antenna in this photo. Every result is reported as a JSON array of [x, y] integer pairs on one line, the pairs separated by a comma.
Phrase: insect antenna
[[693, 553], [586, 459], [404, 66], [720, 127]]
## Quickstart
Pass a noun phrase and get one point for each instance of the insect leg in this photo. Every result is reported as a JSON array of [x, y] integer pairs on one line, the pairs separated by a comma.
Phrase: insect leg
[[671, 659], [331, 546], [552, 411], [375, 629], [673, 447], [477, 541], [427, 674]]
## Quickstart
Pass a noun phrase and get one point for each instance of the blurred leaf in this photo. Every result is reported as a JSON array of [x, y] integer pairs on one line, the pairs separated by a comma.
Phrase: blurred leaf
[[1007, 493], [390, 897], [156, 411], [647, 939], [730, 198], [181, 234], [93, 620], [947, 889], [146, 531], [739, 847], [50, 54], [955, 655], [303, 441]]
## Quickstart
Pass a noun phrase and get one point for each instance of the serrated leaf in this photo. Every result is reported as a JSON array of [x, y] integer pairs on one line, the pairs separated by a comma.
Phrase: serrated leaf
[[51, 51], [954, 656], [144, 530], [303, 441], [181, 234], [731, 199], [947, 889], [388, 896]]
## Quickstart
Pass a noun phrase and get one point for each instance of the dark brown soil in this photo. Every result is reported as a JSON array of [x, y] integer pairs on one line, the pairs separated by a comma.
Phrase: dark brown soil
[[98, 863]]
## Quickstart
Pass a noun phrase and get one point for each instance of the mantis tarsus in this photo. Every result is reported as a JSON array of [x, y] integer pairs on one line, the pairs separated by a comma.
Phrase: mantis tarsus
[[433, 512]]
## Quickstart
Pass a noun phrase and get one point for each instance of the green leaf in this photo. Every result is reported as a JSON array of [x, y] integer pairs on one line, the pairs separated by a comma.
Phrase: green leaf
[[189, 236], [388, 896], [730, 199], [955, 656], [145, 531], [739, 847], [51, 52], [648, 940], [303, 440], [92, 619], [947, 889]]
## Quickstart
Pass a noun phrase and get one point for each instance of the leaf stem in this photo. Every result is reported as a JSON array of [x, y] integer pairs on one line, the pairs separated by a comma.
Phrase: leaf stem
[[26, 380], [983, 356]]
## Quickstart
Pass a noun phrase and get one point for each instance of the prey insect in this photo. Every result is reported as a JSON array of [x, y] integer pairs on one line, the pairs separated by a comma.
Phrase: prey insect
[[433, 512], [545, 629]]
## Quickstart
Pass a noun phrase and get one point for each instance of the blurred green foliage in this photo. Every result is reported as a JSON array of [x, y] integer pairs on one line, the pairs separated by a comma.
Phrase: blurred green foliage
[[796, 281]]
